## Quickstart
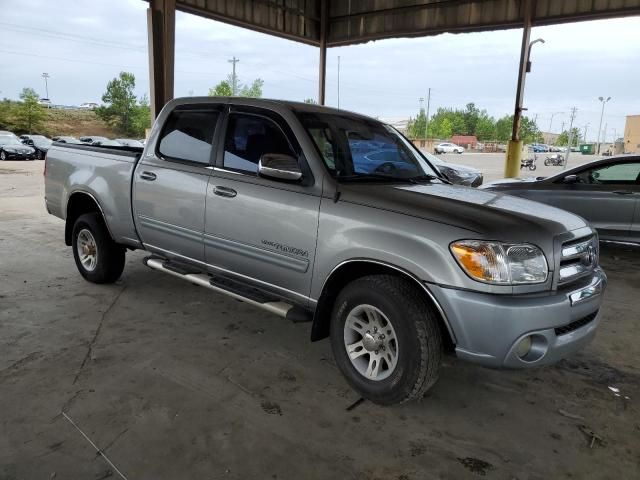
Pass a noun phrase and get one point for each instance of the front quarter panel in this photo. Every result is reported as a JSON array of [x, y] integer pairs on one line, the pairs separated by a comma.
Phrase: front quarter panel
[[348, 231]]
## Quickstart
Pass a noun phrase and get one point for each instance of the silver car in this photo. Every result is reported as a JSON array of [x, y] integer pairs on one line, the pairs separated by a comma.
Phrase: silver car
[[605, 192]]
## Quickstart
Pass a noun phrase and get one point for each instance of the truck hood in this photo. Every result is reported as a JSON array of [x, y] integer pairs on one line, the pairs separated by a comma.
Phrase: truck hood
[[490, 214]]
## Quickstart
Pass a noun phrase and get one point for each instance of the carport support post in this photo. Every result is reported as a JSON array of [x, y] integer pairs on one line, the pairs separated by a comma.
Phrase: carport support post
[[514, 149], [161, 27], [322, 72]]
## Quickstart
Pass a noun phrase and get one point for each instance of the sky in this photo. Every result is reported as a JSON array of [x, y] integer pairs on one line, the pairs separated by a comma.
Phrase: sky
[[82, 44]]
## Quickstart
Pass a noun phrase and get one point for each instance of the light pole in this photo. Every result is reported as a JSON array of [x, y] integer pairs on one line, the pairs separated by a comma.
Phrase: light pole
[[602, 99], [46, 76]]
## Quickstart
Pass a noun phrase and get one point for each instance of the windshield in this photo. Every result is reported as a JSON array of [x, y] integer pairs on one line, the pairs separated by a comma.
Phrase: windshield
[[72, 140], [9, 140], [129, 143], [41, 140], [355, 148]]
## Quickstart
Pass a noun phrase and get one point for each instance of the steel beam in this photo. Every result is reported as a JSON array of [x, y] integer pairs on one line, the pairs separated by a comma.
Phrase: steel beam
[[514, 149], [322, 69], [161, 26]]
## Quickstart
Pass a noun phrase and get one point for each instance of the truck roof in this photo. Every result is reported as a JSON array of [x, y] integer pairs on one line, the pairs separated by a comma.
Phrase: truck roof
[[268, 102]]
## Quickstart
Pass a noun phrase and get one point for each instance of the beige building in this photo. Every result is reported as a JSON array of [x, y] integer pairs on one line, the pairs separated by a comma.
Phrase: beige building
[[632, 134]]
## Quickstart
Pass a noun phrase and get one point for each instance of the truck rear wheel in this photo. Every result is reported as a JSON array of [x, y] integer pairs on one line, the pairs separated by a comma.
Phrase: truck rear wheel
[[98, 258], [386, 339]]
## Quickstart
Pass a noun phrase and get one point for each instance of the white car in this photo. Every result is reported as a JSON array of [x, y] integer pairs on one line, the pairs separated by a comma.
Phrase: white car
[[448, 148]]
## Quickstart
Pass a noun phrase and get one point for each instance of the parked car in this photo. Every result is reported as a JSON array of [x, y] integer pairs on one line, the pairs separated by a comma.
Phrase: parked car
[[106, 143], [89, 106], [12, 149], [45, 102], [604, 192], [91, 139], [39, 143], [539, 148], [129, 142], [392, 264], [448, 148], [68, 139], [7, 132], [458, 174]]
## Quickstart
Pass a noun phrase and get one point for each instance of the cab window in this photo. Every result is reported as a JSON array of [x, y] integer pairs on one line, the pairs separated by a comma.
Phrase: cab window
[[249, 137], [188, 134]]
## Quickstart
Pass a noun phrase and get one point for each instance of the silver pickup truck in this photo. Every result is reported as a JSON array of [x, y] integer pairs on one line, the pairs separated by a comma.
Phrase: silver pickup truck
[[321, 215]]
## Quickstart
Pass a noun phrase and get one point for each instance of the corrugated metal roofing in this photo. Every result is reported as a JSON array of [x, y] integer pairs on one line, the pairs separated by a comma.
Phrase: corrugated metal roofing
[[357, 21]]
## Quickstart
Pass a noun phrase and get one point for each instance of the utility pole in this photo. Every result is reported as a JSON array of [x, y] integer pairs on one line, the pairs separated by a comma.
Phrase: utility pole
[[426, 127], [604, 101], [338, 81], [234, 79], [570, 142], [585, 132], [604, 134], [46, 84], [551, 122]]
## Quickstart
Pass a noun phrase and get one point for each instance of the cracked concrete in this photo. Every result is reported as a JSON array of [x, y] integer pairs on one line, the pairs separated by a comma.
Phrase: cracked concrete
[[170, 392]]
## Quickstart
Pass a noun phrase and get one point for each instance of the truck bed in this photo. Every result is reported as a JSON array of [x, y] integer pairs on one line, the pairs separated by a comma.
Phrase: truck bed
[[105, 173]]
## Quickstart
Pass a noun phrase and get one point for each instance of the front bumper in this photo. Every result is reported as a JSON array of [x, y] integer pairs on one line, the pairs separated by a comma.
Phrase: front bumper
[[19, 156], [488, 328]]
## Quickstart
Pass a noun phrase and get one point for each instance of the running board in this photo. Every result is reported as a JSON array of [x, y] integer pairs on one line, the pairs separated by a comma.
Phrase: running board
[[285, 310]]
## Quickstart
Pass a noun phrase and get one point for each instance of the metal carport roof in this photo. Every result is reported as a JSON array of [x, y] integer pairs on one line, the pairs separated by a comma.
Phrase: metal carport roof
[[357, 21]]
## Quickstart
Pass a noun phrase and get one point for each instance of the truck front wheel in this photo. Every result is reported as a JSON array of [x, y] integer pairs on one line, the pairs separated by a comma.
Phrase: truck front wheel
[[98, 258], [386, 339]]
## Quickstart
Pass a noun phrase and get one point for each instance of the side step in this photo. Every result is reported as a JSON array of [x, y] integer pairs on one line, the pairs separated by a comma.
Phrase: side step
[[231, 288]]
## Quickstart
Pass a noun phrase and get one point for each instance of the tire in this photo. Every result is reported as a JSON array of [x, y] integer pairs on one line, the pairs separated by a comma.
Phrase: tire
[[414, 337], [546, 162], [107, 263], [3, 155], [532, 167], [459, 152]]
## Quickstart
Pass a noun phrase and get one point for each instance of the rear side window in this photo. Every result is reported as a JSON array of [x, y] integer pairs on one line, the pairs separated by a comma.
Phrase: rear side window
[[188, 135], [248, 138]]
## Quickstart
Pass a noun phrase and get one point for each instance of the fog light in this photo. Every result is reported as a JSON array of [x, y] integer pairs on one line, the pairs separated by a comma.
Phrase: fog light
[[524, 347]]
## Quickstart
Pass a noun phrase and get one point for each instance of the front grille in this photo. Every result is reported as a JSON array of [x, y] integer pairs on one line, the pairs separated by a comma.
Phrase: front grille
[[578, 258], [576, 324]]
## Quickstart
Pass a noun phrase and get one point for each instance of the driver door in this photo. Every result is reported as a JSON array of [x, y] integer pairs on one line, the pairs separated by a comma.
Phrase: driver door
[[258, 228]]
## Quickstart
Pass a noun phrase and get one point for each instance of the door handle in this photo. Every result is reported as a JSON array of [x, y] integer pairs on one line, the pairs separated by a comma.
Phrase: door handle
[[148, 176], [224, 191], [623, 192]]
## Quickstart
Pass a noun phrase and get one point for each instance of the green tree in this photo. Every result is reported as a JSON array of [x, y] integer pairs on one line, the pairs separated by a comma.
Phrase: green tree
[[29, 114], [6, 114], [485, 127], [503, 128], [311, 101], [224, 88], [416, 127], [470, 115], [120, 103], [141, 117], [563, 138], [529, 131]]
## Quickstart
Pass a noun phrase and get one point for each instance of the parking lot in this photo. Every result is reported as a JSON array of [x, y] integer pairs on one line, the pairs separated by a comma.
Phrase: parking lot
[[173, 381]]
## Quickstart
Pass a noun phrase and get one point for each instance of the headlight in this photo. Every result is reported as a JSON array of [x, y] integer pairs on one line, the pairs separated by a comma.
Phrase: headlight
[[501, 263]]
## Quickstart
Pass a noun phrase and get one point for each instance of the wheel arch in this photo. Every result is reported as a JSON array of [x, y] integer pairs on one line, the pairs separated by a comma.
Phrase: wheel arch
[[79, 203], [350, 270]]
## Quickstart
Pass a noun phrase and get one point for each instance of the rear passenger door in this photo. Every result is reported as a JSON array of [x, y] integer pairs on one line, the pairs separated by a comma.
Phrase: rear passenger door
[[260, 229], [170, 183]]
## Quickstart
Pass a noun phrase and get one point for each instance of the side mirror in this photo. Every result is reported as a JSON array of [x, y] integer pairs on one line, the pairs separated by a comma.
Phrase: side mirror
[[279, 167], [571, 179]]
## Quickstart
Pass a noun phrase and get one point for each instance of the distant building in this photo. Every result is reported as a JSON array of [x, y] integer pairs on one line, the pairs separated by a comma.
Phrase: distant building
[[632, 134], [550, 138], [466, 141]]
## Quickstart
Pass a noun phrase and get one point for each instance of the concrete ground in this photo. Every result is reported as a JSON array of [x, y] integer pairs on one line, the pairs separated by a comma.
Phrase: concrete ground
[[172, 381]]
